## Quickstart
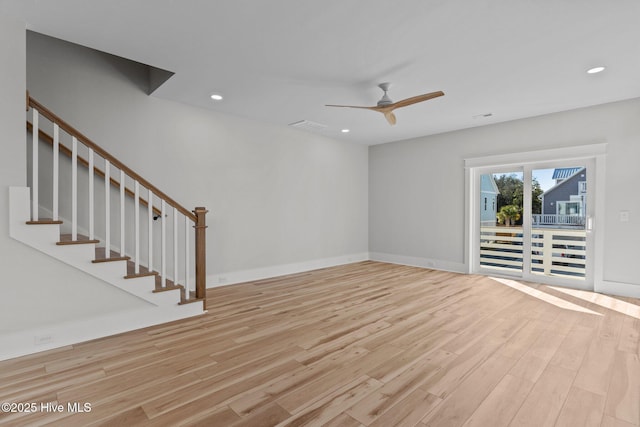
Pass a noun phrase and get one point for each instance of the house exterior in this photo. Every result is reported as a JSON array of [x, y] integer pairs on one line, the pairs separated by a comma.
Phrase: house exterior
[[568, 196], [488, 200]]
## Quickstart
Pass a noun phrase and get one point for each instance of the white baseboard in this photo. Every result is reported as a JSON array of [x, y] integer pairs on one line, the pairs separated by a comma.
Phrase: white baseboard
[[618, 288], [435, 264], [233, 277], [20, 343]]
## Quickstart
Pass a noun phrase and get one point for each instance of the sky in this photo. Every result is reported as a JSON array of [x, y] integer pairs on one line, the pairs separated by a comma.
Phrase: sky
[[542, 175], [544, 178]]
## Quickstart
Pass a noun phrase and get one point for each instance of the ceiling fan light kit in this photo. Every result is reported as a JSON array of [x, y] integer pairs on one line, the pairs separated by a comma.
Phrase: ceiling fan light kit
[[386, 105]]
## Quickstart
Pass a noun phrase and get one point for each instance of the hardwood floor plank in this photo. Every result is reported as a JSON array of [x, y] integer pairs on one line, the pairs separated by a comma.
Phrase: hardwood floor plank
[[609, 421], [365, 344], [268, 415], [573, 348], [409, 411], [582, 408], [215, 390], [630, 336], [223, 417], [132, 417], [544, 402], [458, 406], [195, 414], [452, 374], [343, 420], [334, 403], [595, 372], [535, 360], [623, 397], [395, 390], [501, 405], [308, 393]]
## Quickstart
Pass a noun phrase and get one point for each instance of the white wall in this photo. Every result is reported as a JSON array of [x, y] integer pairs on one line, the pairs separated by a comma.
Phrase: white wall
[[280, 200], [35, 290], [417, 203]]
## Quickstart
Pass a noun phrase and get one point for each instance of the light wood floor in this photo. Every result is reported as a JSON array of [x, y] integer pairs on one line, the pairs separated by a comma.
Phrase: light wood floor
[[366, 344]]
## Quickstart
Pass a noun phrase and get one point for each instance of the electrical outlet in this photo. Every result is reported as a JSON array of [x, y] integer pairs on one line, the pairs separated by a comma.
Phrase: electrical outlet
[[42, 339], [624, 216]]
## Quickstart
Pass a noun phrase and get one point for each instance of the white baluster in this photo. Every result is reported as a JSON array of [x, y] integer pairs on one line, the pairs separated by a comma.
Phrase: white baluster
[[150, 223], [136, 225], [74, 189], [122, 205], [34, 166], [56, 167], [107, 209], [91, 196], [186, 257], [163, 258], [175, 245]]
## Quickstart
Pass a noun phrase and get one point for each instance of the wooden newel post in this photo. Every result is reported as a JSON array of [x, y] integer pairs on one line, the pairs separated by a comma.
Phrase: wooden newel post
[[201, 253]]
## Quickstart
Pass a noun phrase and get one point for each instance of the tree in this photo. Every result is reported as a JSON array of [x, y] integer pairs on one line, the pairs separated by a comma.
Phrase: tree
[[509, 214], [511, 190], [536, 197], [508, 187]]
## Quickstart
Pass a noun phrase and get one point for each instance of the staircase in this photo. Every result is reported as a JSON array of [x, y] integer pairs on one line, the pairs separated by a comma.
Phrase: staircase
[[151, 247]]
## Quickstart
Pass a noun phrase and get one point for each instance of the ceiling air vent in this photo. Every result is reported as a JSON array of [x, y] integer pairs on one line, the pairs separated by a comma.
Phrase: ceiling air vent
[[308, 126]]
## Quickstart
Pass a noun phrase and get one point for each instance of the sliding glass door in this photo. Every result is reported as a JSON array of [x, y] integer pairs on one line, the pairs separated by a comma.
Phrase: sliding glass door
[[501, 208], [534, 222], [559, 222]]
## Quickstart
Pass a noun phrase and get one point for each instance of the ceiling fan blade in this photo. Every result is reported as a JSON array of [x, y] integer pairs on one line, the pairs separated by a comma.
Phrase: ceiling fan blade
[[387, 109], [350, 106], [416, 99], [391, 118]]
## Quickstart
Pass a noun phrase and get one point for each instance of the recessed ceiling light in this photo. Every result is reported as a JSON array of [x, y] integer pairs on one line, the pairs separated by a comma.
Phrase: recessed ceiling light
[[345, 131], [216, 97], [595, 70]]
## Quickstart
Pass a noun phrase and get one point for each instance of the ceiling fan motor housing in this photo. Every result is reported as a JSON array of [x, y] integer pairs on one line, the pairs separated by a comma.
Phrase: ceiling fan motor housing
[[385, 100]]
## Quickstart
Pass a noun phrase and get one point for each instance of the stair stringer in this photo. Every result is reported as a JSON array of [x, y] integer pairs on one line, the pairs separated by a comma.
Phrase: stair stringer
[[43, 237]]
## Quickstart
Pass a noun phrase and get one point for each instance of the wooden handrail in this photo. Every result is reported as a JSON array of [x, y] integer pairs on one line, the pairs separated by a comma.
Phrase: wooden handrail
[[104, 154], [67, 152], [197, 216]]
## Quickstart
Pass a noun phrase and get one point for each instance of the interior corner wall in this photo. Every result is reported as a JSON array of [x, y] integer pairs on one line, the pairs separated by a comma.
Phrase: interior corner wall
[[417, 188], [280, 200], [36, 290]]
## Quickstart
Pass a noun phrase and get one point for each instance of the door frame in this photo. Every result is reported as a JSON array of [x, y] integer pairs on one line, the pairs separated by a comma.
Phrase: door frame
[[592, 155]]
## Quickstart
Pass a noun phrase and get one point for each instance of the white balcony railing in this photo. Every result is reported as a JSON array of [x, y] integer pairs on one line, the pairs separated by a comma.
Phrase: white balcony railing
[[548, 219], [554, 252]]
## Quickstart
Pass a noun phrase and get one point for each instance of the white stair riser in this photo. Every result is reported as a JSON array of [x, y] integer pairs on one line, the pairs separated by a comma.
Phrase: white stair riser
[[44, 237]]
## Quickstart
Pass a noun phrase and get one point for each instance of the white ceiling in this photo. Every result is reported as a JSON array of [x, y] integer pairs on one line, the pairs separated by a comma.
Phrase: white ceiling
[[280, 61]]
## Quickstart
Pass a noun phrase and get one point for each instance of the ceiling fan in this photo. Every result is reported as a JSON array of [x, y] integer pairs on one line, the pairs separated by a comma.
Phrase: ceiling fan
[[386, 105]]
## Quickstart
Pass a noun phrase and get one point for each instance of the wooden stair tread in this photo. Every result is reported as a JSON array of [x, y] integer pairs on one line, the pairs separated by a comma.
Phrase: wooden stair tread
[[65, 239], [141, 274], [114, 256], [168, 284], [44, 221], [166, 288], [190, 300]]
